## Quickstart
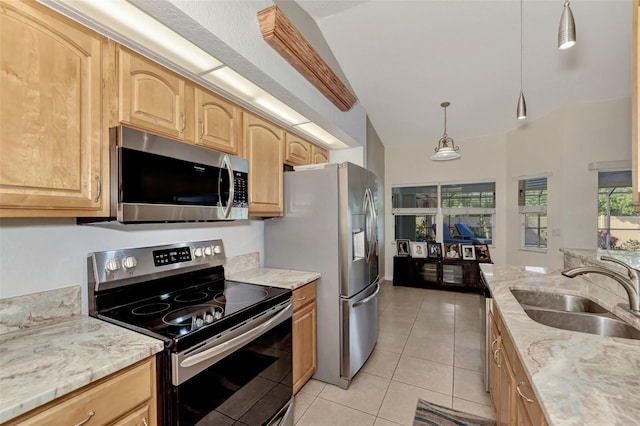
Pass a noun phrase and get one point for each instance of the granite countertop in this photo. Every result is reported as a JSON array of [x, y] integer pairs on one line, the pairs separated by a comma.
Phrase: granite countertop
[[272, 277], [42, 363], [578, 378]]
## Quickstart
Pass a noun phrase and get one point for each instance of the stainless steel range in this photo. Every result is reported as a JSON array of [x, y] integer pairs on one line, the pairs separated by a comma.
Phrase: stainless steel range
[[227, 357]]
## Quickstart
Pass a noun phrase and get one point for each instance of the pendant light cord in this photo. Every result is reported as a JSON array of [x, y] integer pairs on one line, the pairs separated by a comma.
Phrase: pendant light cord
[[521, 46]]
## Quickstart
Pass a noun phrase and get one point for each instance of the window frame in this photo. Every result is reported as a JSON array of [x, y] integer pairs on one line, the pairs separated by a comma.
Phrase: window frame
[[538, 209], [441, 212]]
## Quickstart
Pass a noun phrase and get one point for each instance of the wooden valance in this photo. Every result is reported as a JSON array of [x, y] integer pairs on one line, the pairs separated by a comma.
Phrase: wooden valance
[[281, 35]]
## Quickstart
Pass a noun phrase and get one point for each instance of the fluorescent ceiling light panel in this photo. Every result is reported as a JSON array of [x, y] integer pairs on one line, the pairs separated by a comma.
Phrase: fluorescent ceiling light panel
[[234, 83], [274, 106], [130, 22], [321, 134], [237, 85]]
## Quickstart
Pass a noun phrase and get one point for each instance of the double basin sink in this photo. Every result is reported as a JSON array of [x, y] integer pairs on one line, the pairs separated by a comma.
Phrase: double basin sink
[[575, 313]]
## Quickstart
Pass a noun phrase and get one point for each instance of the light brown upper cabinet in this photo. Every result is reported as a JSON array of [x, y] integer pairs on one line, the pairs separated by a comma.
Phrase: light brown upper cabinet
[[53, 138], [297, 150], [319, 155], [218, 122], [151, 97], [264, 147]]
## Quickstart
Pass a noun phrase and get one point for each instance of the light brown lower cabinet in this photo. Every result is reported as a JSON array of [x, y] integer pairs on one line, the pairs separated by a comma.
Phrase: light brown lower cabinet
[[125, 398], [511, 392], [305, 359]]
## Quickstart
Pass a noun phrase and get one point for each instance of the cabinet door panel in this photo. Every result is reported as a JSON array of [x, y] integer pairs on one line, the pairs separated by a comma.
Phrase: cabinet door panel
[[264, 150], [297, 151], [217, 122], [304, 345], [109, 400], [150, 96], [319, 155], [50, 117]]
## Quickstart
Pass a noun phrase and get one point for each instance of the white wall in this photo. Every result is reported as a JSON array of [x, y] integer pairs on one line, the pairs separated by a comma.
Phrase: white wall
[[482, 158], [561, 144], [44, 254]]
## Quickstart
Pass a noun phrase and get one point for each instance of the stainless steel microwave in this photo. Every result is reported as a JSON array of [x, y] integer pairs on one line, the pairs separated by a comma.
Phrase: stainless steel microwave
[[157, 179]]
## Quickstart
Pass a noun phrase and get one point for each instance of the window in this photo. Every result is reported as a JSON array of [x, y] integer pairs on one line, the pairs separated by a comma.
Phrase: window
[[467, 209], [415, 211], [532, 199], [618, 222]]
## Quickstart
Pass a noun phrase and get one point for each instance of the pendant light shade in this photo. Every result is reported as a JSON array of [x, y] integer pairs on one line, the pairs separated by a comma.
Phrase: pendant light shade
[[567, 28], [521, 110], [446, 149]]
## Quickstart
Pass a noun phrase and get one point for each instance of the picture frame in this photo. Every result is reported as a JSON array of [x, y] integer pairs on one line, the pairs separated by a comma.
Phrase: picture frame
[[482, 253], [468, 251], [452, 251], [434, 250], [402, 248], [418, 249]]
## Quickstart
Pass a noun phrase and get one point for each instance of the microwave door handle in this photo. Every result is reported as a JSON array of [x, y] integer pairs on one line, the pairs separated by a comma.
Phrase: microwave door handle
[[226, 164]]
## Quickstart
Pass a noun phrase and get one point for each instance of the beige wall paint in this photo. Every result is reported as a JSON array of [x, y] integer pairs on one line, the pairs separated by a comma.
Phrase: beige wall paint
[[561, 144], [483, 158]]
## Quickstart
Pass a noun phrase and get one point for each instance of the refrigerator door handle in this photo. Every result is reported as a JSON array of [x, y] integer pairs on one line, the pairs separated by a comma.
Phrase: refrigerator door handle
[[368, 204], [371, 296]]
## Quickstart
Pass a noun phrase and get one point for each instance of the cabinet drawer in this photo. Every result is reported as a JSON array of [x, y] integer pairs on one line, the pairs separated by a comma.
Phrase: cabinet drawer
[[303, 295], [108, 400]]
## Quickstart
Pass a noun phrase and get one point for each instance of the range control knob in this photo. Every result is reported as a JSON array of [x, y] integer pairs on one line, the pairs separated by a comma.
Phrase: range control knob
[[217, 249], [129, 262], [198, 252], [208, 251], [112, 265]]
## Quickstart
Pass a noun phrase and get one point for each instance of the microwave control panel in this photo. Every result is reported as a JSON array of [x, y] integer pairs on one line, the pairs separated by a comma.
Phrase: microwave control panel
[[241, 194]]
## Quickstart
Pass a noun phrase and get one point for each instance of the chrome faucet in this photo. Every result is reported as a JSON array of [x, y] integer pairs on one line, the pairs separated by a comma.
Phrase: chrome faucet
[[631, 283]]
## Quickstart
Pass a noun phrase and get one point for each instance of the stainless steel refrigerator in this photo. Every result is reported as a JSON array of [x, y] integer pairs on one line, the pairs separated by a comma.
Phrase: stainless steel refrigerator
[[330, 226]]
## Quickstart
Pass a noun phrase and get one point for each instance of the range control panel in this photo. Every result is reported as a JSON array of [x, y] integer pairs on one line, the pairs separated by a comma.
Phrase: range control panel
[[169, 256], [138, 263]]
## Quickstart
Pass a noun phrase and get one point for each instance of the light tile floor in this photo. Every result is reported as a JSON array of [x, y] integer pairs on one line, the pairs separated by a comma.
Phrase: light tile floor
[[428, 348]]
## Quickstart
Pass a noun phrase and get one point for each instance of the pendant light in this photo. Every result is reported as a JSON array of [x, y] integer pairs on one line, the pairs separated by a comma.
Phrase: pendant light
[[521, 109], [446, 149], [567, 28]]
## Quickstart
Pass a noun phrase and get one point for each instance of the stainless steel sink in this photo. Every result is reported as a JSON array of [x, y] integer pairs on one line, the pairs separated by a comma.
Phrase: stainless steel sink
[[585, 322], [558, 302]]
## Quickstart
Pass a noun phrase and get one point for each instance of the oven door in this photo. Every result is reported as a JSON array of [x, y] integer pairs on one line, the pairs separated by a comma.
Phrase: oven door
[[243, 375]]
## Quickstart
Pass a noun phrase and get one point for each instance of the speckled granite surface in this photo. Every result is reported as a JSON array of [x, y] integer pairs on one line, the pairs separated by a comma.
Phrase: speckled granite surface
[[41, 363], [284, 278], [578, 378]]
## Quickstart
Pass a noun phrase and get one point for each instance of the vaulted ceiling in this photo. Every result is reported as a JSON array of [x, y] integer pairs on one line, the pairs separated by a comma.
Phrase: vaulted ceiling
[[403, 58]]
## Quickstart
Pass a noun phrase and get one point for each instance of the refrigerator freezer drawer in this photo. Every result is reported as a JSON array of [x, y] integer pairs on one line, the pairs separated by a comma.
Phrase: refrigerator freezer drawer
[[359, 330]]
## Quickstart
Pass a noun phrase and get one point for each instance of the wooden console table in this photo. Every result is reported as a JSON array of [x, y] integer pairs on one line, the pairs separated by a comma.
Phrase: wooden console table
[[455, 275]]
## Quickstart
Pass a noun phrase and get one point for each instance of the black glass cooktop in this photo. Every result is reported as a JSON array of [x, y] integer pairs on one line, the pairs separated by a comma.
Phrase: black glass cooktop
[[206, 303]]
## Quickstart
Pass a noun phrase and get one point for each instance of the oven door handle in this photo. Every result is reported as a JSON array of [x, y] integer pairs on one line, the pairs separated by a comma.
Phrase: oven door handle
[[223, 349]]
